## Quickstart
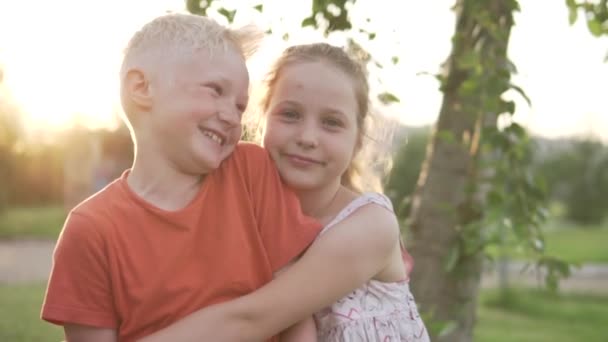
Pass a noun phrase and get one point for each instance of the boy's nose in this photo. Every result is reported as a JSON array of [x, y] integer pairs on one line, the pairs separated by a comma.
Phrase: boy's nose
[[230, 117]]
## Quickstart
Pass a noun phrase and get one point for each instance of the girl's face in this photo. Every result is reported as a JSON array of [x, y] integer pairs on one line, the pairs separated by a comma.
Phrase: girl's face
[[311, 128]]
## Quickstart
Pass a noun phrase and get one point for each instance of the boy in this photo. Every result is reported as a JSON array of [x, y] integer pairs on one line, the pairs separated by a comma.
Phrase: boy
[[199, 218]]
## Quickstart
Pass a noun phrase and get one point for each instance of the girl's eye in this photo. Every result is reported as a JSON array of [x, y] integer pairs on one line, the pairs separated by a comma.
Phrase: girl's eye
[[333, 123], [290, 114]]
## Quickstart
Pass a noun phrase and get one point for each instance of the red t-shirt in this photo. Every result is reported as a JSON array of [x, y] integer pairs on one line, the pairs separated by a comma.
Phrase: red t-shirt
[[122, 263]]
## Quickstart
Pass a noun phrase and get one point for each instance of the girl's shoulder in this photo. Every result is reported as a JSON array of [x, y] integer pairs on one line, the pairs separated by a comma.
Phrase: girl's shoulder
[[362, 201]]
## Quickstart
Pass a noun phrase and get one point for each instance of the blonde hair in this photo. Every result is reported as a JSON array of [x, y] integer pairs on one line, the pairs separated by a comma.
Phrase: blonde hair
[[178, 34], [372, 157]]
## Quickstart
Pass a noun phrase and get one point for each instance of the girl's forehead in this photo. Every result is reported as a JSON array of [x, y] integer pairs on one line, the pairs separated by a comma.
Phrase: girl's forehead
[[314, 77]]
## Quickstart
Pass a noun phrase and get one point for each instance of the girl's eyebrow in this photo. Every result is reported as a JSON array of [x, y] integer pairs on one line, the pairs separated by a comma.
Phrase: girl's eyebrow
[[330, 110], [289, 102], [285, 103]]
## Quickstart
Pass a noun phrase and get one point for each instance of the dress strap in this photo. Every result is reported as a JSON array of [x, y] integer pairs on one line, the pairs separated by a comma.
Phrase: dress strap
[[361, 201]]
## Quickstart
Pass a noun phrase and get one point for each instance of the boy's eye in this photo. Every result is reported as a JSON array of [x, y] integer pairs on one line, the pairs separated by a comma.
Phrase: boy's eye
[[241, 107], [216, 89]]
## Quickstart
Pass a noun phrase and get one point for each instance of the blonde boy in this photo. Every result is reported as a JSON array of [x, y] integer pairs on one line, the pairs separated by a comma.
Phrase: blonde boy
[[199, 218]]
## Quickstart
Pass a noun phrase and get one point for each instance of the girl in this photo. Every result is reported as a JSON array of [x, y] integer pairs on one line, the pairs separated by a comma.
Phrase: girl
[[354, 278]]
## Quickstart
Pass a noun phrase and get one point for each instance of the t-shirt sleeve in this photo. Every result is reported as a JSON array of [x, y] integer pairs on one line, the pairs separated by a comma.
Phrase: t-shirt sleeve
[[79, 288], [286, 232]]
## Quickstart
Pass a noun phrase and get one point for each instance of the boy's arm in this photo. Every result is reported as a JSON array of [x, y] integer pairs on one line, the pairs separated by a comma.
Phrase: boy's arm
[[79, 292], [303, 331], [341, 260], [82, 333]]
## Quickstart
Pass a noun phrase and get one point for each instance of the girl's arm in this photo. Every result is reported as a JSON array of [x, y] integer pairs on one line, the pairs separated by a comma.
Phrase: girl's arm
[[303, 331], [341, 260]]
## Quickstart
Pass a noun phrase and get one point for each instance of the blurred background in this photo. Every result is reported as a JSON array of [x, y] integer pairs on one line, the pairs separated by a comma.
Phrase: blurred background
[[524, 109]]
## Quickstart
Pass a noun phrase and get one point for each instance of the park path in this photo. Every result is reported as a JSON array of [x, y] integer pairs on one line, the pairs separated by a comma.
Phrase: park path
[[25, 261], [29, 261]]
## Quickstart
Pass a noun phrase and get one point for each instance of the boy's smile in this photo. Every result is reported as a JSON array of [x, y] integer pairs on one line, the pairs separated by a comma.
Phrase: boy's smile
[[198, 112]]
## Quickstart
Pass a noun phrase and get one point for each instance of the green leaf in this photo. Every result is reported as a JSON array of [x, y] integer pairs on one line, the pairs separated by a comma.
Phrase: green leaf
[[446, 136], [511, 67], [552, 282], [508, 107], [452, 258], [229, 15], [469, 60], [448, 328], [572, 15], [468, 87], [387, 98], [194, 6], [395, 59], [571, 3], [595, 27], [517, 130], [495, 198], [371, 35], [286, 37], [562, 268], [538, 245], [310, 21], [259, 8], [521, 92], [572, 11]]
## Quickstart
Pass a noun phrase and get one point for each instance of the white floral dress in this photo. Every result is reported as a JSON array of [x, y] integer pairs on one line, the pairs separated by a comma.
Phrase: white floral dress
[[377, 311]]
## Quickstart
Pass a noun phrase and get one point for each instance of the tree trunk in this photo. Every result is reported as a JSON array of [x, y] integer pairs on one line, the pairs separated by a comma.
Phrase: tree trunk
[[445, 200]]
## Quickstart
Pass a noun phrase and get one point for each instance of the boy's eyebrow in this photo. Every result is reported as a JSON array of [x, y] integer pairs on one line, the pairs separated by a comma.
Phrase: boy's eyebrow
[[219, 79]]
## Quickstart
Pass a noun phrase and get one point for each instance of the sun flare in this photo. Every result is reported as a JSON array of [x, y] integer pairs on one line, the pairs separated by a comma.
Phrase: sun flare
[[60, 59]]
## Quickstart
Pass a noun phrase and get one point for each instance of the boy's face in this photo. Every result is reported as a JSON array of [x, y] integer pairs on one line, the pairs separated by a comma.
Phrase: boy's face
[[196, 109]]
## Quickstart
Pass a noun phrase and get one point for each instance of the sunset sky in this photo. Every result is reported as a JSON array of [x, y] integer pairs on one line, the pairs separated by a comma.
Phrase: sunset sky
[[61, 58]]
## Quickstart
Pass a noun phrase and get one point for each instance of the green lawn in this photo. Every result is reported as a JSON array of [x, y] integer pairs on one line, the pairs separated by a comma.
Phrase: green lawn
[[576, 244], [19, 315], [527, 316], [540, 316], [571, 243], [44, 222]]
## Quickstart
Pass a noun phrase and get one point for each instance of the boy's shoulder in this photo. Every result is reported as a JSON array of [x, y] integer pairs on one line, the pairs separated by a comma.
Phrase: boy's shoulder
[[100, 203], [246, 149], [248, 155]]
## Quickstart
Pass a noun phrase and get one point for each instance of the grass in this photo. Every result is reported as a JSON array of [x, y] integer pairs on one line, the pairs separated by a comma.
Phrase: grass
[[578, 244], [525, 316], [540, 316], [40, 223], [19, 315], [571, 243]]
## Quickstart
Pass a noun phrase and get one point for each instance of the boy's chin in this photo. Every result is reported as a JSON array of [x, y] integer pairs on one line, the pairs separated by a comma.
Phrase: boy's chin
[[207, 164]]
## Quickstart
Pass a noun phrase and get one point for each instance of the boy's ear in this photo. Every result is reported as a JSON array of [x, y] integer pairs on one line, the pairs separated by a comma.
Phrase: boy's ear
[[137, 88]]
